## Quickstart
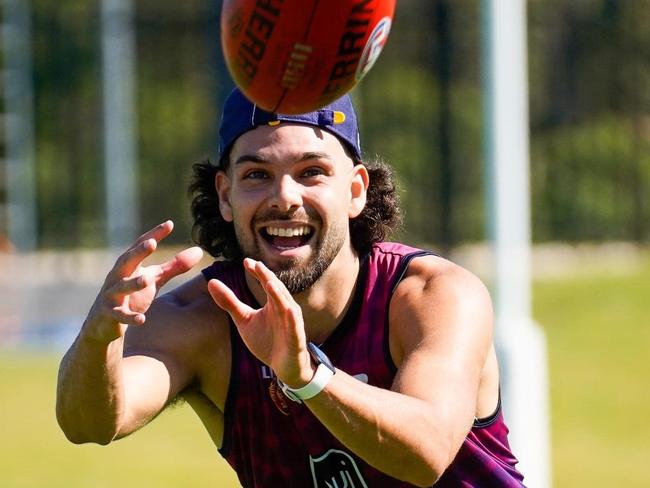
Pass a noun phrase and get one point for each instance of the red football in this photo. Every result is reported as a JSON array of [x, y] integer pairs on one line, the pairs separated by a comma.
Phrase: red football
[[294, 56]]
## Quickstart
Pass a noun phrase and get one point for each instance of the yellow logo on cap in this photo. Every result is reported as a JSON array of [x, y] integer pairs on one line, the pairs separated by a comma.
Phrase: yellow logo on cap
[[339, 117], [273, 123]]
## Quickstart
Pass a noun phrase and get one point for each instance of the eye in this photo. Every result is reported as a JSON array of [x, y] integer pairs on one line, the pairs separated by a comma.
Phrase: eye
[[255, 174], [313, 171]]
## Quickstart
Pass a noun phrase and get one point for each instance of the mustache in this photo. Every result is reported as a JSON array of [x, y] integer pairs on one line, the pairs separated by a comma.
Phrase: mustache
[[301, 215]]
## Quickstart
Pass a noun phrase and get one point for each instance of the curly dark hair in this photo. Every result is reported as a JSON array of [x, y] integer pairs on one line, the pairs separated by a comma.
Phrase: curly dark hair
[[380, 217]]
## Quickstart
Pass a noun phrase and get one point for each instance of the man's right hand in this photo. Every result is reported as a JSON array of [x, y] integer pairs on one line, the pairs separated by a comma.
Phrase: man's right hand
[[99, 396], [130, 287]]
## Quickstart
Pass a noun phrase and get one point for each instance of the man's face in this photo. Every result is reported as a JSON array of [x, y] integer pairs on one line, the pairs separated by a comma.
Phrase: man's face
[[290, 191]]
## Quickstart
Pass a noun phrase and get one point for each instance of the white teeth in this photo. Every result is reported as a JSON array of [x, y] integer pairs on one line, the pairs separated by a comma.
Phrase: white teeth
[[290, 232]]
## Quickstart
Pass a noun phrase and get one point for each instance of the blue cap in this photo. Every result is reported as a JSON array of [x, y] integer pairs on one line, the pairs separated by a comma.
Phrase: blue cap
[[240, 115]]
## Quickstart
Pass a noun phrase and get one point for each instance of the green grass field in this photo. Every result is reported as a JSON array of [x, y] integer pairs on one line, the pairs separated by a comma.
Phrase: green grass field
[[172, 451], [598, 332]]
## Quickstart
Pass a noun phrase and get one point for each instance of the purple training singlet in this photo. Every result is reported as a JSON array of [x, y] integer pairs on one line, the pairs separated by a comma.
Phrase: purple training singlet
[[271, 441]]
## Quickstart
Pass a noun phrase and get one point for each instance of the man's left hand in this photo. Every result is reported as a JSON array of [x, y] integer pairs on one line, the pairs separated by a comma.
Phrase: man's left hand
[[275, 333]]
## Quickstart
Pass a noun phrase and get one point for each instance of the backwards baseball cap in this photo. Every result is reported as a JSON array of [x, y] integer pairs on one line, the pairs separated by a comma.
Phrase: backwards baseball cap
[[240, 115]]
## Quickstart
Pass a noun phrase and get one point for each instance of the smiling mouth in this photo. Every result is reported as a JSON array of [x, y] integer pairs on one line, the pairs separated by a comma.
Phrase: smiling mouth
[[287, 237]]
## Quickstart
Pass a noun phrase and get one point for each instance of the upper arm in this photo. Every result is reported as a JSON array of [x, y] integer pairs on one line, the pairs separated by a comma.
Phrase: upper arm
[[440, 337]]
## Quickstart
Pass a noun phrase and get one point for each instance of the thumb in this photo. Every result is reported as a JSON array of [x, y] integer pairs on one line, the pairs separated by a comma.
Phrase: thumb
[[182, 262], [226, 299]]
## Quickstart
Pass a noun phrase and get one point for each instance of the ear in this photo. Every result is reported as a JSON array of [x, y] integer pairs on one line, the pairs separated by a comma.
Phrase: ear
[[222, 184], [358, 190]]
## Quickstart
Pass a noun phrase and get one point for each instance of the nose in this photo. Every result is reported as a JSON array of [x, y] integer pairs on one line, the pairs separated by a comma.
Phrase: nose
[[287, 195]]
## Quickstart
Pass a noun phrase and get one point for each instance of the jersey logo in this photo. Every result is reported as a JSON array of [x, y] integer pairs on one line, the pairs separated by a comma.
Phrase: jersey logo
[[336, 469], [279, 400]]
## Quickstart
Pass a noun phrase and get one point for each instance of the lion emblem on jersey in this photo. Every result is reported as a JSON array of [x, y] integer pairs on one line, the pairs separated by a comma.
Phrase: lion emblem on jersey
[[336, 469]]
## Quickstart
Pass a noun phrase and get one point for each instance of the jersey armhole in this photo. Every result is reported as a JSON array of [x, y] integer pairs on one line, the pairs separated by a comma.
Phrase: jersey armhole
[[490, 419], [233, 386], [399, 276]]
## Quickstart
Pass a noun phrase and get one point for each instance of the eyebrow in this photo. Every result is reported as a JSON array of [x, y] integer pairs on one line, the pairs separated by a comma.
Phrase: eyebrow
[[255, 158], [249, 158]]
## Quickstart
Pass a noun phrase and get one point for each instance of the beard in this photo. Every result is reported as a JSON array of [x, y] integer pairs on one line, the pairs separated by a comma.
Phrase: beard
[[299, 276]]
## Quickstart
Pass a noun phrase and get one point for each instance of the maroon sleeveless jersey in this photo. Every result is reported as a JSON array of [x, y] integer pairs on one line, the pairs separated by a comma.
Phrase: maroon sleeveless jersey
[[271, 441]]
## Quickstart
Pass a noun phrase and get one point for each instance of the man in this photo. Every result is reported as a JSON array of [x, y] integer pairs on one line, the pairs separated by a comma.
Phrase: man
[[326, 357]]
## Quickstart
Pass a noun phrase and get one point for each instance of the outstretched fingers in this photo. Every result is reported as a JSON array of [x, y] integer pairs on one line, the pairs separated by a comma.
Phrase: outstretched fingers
[[128, 262], [277, 294], [115, 300], [126, 286], [125, 316], [272, 285], [158, 233], [144, 245]]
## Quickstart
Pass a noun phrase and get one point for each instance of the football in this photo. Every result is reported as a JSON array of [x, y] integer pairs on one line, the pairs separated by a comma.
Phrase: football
[[294, 56]]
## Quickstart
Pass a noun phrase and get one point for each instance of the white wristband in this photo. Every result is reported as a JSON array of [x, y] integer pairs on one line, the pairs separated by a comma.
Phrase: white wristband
[[314, 387]]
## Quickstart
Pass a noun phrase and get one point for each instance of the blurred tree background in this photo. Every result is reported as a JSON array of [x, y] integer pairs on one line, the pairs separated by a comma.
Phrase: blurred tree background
[[420, 108]]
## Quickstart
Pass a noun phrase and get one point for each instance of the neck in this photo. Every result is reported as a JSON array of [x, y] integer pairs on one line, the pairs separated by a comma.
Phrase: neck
[[324, 305]]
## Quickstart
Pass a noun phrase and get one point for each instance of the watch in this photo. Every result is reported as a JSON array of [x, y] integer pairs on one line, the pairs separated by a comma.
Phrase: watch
[[319, 357], [324, 372]]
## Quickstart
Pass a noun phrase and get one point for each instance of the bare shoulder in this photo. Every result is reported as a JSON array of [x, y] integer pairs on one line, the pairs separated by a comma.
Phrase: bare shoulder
[[441, 302], [437, 275]]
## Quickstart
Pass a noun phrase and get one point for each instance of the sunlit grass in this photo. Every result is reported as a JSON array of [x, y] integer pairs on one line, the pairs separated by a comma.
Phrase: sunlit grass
[[172, 451], [598, 333]]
